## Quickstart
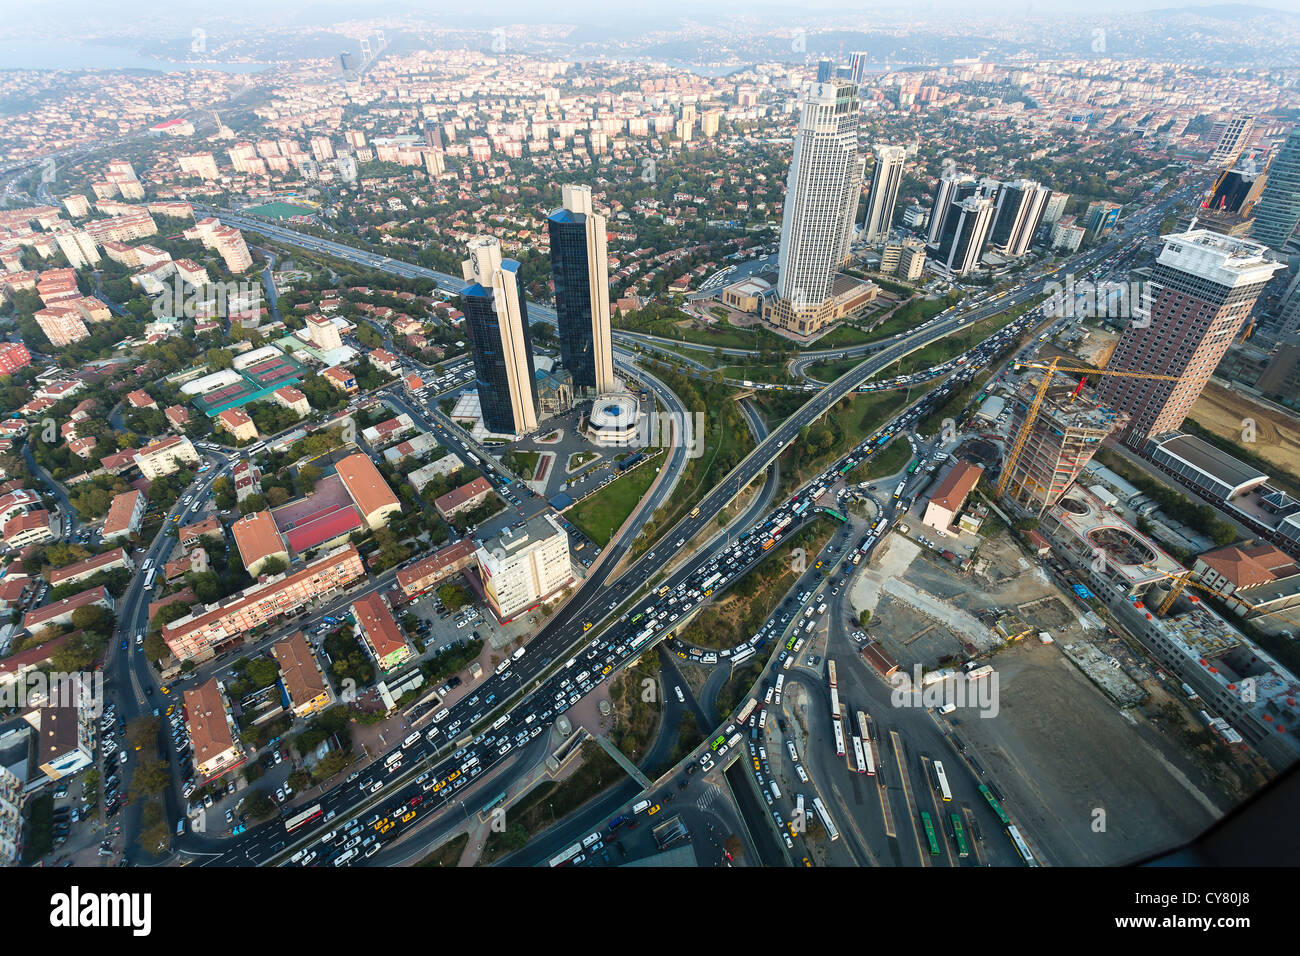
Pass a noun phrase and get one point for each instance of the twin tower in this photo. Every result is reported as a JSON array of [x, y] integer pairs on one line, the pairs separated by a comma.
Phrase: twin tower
[[496, 316]]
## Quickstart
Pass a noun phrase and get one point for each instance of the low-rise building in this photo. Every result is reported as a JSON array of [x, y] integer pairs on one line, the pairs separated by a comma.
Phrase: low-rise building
[[124, 515], [522, 567], [259, 541], [950, 495], [58, 613], [32, 527], [382, 636], [438, 567], [212, 730], [300, 673], [464, 498], [369, 492], [212, 629], [237, 423], [165, 456], [84, 570]]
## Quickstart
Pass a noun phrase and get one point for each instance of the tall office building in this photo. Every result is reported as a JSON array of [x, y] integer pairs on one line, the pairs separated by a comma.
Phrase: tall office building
[[821, 199], [1278, 210], [580, 268], [1232, 134], [1055, 207], [962, 237], [885, 180], [857, 67], [953, 187], [1101, 218], [496, 317], [1203, 288], [1017, 214], [1066, 433], [825, 71]]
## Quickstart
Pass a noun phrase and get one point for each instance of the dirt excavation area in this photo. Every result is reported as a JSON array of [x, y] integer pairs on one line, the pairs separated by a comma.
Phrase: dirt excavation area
[[923, 610], [1088, 781], [1277, 434]]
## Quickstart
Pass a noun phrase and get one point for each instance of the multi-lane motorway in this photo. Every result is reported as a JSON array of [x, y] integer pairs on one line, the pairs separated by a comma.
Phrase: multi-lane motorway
[[543, 701]]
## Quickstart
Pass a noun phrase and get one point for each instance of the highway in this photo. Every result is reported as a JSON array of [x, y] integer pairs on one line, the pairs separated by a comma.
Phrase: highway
[[548, 695]]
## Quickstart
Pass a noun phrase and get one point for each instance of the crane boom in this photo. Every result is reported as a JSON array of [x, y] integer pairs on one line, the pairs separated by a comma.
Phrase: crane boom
[[1050, 369]]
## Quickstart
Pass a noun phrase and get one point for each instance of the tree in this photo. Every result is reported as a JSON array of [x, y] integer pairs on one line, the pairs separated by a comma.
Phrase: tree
[[259, 804], [94, 619], [453, 596], [151, 777], [330, 764], [154, 832], [864, 617]]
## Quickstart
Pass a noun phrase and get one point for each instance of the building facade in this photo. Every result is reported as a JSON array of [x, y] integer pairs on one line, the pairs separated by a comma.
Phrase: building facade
[[580, 270], [1204, 286], [821, 199], [883, 195], [521, 567], [496, 319]]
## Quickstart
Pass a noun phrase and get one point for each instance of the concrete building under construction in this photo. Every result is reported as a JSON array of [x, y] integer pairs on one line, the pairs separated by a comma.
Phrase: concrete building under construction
[[1067, 432]]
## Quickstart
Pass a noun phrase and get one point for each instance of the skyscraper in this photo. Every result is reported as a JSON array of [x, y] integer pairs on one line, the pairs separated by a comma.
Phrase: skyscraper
[[961, 239], [1232, 135], [825, 71], [953, 187], [821, 199], [1203, 288], [885, 180], [1278, 211], [857, 67], [1017, 214], [1066, 433], [496, 317], [580, 268]]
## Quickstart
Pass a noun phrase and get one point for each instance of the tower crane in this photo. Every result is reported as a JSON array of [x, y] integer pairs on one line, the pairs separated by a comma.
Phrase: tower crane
[[1051, 368]]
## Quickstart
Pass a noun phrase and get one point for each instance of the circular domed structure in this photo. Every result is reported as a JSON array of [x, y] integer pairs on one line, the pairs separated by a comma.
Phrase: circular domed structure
[[613, 420], [1121, 546]]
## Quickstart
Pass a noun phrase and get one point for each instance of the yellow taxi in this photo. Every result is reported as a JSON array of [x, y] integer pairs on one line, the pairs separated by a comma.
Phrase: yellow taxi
[[388, 825], [453, 775], [653, 810], [379, 823], [608, 668], [587, 626], [408, 816]]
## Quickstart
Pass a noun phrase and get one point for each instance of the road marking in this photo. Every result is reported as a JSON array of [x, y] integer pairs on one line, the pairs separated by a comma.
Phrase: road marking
[[901, 762]]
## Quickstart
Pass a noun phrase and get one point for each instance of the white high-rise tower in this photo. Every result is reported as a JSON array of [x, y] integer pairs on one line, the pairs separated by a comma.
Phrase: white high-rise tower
[[885, 180], [821, 199]]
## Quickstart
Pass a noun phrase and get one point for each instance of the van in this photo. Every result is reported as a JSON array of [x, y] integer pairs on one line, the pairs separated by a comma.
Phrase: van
[[411, 739], [345, 858], [640, 805], [518, 654]]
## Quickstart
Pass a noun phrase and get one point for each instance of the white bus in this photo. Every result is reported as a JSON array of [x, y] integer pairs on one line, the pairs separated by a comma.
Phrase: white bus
[[943, 781], [820, 807], [1021, 847], [857, 755], [567, 855], [149, 578], [835, 702], [839, 738]]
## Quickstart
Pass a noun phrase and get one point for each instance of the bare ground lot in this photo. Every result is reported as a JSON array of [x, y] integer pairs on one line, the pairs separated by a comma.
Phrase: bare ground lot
[[1277, 435], [1059, 752]]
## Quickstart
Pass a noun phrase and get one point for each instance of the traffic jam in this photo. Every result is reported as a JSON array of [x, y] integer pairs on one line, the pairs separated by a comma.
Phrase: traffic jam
[[592, 665]]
